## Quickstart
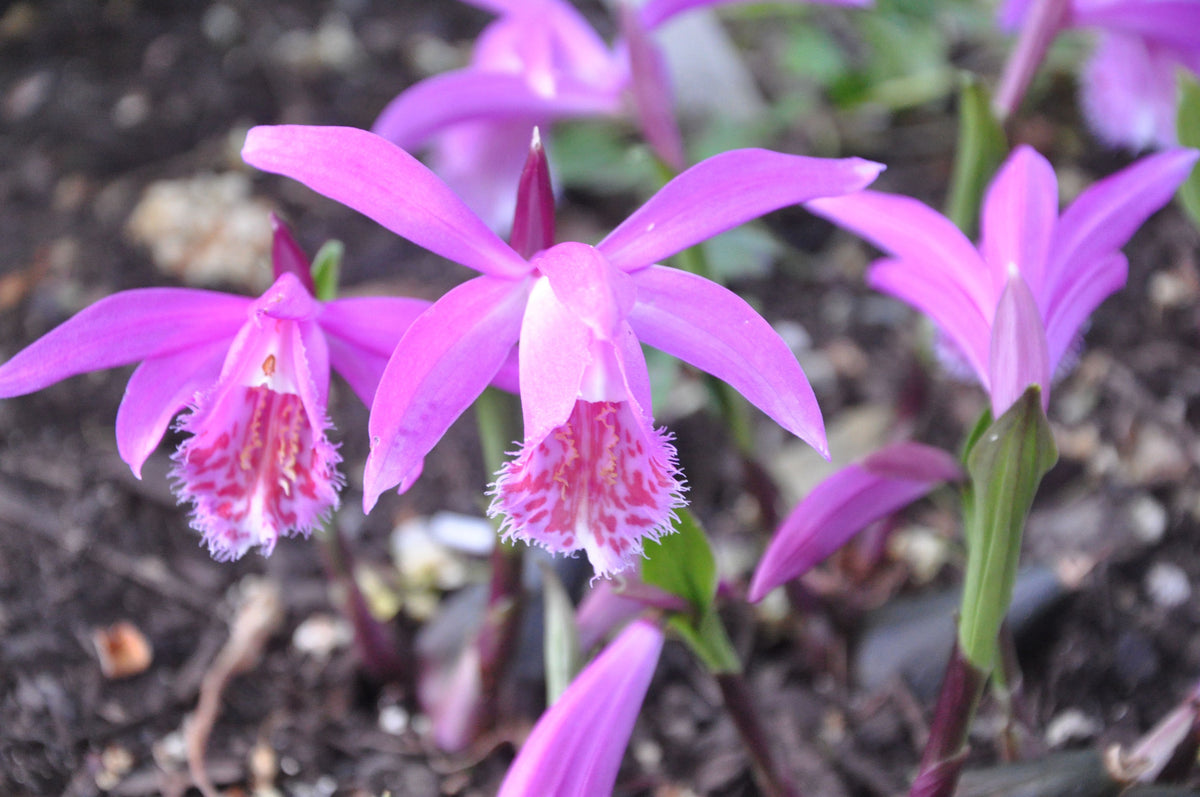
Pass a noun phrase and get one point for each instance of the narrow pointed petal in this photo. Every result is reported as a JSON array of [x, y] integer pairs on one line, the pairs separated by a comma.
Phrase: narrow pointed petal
[[1019, 354], [288, 258], [845, 504], [444, 361], [385, 183], [912, 231], [533, 221], [363, 332], [1020, 211], [1040, 23], [575, 749], [653, 99], [1080, 293], [675, 312], [1107, 214], [723, 192], [655, 12], [121, 329], [159, 388], [469, 95], [942, 299]]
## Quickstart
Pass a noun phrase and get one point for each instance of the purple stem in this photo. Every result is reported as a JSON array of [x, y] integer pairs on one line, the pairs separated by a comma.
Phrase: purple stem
[[740, 705], [946, 748]]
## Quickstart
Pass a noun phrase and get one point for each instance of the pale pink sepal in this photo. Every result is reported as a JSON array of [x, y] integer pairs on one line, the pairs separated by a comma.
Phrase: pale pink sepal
[[653, 99], [378, 179], [675, 312], [447, 357], [730, 188], [1041, 21], [575, 750], [1020, 211], [847, 502]]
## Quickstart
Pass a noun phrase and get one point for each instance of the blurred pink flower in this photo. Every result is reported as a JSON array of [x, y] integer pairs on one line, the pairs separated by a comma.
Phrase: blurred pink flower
[[538, 62], [253, 376], [1013, 306], [1129, 86], [593, 472]]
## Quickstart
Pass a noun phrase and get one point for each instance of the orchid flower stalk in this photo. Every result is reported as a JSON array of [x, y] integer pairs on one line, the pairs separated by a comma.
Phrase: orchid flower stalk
[[1129, 87], [539, 62], [593, 472], [252, 377]]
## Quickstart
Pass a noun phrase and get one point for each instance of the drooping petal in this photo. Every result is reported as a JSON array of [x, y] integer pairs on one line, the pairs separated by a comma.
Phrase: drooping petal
[[1129, 93], [362, 333], [378, 179], [723, 192], [1080, 293], [575, 749], [467, 95], [912, 231], [604, 481], [655, 12], [1019, 354], [442, 363], [1040, 22], [1107, 214], [121, 329], [1020, 210], [942, 299], [159, 388], [846, 503], [675, 312], [653, 99]]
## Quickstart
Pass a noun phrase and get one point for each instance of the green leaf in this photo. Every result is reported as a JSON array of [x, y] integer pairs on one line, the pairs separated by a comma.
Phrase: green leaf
[[982, 145], [683, 564], [562, 654], [1188, 124], [326, 267], [1006, 464]]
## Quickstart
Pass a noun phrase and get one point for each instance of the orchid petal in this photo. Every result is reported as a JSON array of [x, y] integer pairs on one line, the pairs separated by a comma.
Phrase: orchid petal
[[311, 351], [1019, 356], [469, 95], [912, 231], [442, 363], [1019, 214], [555, 353], [533, 217], [675, 312], [122, 329], [287, 300], [941, 298], [362, 333], [655, 12], [1175, 23], [598, 294], [1078, 296], [723, 192], [159, 388], [575, 749], [1107, 214], [481, 162], [1129, 93], [844, 504], [378, 179], [653, 99]]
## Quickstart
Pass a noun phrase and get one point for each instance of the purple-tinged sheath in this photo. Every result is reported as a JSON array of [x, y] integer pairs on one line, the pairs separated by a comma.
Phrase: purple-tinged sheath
[[593, 472], [252, 376]]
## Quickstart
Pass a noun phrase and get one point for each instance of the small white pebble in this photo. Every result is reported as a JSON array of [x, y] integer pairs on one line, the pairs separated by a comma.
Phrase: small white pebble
[[393, 720], [1070, 725], [1167, 585], [1148, 517]]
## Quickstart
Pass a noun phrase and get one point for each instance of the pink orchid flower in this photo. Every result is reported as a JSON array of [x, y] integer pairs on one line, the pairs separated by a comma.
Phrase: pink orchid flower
[[1012, 307], [253, 375], [846, 503], [575, 749], [1129, 87], [539, 62], [593, 472]]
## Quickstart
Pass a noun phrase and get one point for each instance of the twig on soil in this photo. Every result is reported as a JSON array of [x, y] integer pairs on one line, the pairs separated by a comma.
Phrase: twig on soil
[[258, 616]]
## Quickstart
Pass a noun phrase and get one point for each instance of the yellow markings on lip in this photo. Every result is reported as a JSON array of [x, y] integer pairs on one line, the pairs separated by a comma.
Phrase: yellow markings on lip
[[268, 365]]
